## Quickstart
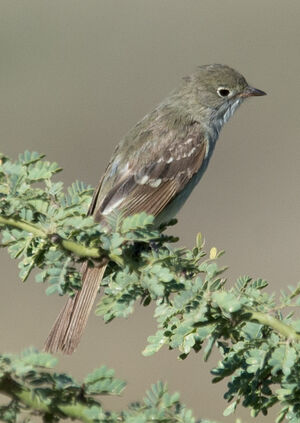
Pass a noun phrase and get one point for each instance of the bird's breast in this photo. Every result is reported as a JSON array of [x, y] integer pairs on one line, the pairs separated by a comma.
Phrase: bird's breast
[[175, 205]]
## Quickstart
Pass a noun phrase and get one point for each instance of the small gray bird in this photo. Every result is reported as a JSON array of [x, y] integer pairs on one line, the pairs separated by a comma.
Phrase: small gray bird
[[154, 169]]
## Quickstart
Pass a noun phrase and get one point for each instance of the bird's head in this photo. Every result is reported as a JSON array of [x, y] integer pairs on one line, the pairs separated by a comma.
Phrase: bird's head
[[216, 90]]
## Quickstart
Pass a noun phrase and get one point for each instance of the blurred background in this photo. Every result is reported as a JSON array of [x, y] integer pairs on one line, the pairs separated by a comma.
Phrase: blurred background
[[76, 75]]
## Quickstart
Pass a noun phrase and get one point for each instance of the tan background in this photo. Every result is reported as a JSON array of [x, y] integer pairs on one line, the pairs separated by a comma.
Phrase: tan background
[[75, 75]]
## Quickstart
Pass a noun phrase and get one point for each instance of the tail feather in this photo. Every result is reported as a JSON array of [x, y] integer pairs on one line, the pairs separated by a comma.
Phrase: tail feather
[[70, 323]]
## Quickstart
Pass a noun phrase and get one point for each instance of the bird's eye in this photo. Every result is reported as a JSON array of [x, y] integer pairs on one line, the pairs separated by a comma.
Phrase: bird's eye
[[223, 92]]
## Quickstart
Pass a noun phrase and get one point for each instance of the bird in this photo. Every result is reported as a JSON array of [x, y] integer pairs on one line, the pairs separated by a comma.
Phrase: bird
[[154, 169]]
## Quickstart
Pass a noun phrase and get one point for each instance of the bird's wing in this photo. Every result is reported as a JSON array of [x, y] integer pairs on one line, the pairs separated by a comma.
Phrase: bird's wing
[[151, 186], [95, 197]]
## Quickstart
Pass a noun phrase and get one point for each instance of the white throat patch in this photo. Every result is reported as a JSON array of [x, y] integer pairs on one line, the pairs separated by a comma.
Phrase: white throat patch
[[223, 115], [231, 109]]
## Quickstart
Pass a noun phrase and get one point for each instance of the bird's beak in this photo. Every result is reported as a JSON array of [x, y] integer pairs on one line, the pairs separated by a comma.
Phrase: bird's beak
[[252, 92]]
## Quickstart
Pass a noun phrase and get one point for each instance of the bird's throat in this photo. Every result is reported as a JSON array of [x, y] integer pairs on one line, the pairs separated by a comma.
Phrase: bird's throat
[[222, 115]]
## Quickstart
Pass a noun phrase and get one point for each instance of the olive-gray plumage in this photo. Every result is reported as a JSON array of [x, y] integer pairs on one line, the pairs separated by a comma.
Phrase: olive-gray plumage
[[155, 168]]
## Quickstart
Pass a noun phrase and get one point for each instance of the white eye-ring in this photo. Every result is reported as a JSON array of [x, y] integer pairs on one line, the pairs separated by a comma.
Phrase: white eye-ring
[[223, 92]]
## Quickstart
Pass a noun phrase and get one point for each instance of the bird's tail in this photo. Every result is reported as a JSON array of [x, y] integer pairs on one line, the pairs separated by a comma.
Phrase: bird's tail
[[68, 328]]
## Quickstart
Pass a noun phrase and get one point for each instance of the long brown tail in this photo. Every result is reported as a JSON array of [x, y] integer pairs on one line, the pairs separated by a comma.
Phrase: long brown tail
[[68, 328]]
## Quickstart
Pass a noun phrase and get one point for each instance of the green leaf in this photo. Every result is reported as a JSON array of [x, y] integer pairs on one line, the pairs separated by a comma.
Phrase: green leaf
[[230, 409], [209, 347], [42, 170], [102, 381], [140, 220], [155, 342], [29, 157], [36, 358], [252, 330], [227, 301], [95, 413], [98, 374], [259, 284], [283, 359], [255, 360]]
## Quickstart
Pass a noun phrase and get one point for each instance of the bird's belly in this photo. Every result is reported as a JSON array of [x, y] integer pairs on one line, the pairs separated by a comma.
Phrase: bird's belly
[[175, 205]]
